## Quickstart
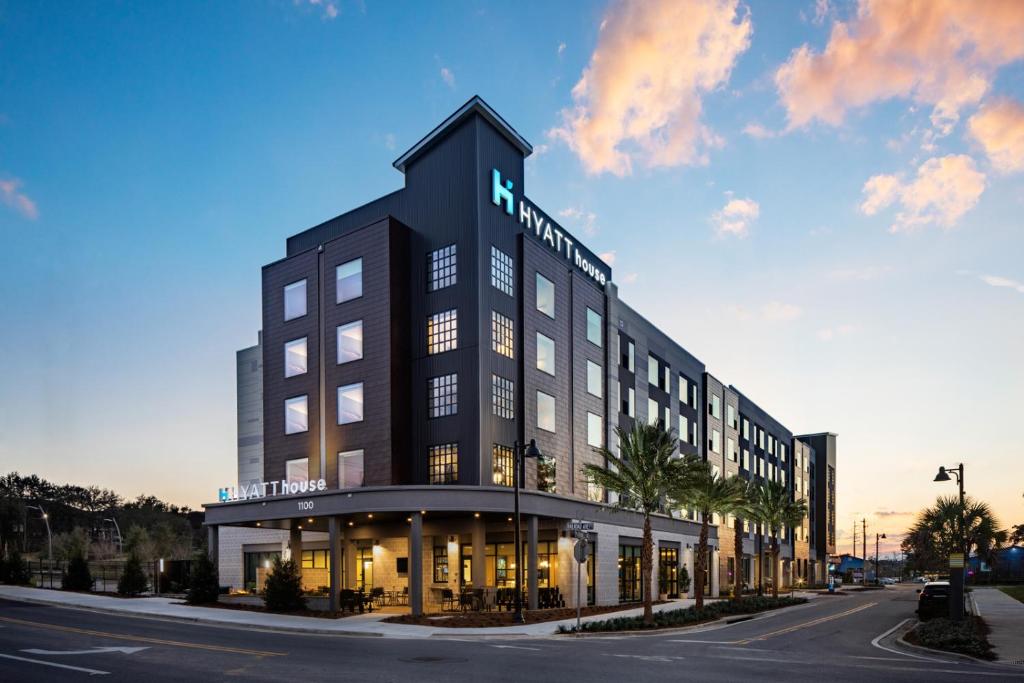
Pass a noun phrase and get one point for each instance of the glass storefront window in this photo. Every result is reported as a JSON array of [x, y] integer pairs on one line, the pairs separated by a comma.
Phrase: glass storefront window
[[630, 584], [668, 571]]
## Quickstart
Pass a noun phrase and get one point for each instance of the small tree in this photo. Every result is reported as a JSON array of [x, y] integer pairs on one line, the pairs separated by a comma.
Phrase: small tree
[[204, 586], [16, 572], [684, 580], [133, 580], [282, 591], [77, 577]]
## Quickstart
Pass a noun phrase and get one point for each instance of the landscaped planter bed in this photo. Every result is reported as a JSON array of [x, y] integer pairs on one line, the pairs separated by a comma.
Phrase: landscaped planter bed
[[689, 616], [486, 619]]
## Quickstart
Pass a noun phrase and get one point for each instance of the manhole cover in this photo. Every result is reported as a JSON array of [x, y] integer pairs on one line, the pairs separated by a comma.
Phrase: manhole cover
[[431, 660]]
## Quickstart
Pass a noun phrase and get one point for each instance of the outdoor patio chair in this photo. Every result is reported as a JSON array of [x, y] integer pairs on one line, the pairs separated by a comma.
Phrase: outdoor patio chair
[[447, 599], [377, 596]]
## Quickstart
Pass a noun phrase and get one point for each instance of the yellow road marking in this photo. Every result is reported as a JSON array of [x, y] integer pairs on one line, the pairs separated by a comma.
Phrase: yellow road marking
[[806, 624], [143, 639]]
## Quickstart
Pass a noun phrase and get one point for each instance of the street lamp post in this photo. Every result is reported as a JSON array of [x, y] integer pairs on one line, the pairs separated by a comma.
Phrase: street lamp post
[[120, 538], [956, 574], [520, 455], [877, 536], [49, 536]]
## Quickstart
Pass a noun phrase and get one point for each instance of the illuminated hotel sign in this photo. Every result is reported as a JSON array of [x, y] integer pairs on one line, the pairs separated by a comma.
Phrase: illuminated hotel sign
[[263, 489], [547, 231]]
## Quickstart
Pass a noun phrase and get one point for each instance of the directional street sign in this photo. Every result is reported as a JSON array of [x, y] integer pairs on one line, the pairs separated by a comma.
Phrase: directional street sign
[[579, 525]]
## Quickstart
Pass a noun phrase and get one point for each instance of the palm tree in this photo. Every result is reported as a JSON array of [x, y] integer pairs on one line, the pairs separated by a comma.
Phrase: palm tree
[[642, 476], [774, 507], [743, 513], [936, 533], [709, 493]]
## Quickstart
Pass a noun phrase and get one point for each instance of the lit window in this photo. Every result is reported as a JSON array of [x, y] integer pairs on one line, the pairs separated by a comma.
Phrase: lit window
[[443, 395], [296, 415], [502, 463], [502, 397], [545, 411], [501, 271], [545, 354], [546, 480], [593, 327], [350, 342], [502, 334], [442, 332], [297, 470], [441, 268], [652, 411], [545, 296], [443, 463], [595, 494], [350, 469], [350, 403], [295, 358], [595, 430], [295, 300], [593, 378], [349, 280]]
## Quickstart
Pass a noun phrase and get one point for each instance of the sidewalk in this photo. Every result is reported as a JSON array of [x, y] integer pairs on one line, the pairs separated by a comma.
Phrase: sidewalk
[[355, 625], [1005, 619]]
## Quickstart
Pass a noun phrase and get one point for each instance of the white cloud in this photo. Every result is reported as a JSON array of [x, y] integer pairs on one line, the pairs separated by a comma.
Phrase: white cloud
[[585, 221], [330, 8], [822, 11], [999, 128], [758, 132], [629, 278], [829, 333], [12, 196], [944, 189], [448, 77], [859, 273], [777, 311], [735, 218], [997, 281], [608, 257], [390, 141], [561, 49], [639, 98]]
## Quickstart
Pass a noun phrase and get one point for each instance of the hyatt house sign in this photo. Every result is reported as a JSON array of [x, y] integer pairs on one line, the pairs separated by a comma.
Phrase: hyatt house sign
[[547, 231], [263, 489]]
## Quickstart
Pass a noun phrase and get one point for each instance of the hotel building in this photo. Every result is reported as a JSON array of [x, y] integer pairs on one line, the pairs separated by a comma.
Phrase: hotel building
[[411, 344]]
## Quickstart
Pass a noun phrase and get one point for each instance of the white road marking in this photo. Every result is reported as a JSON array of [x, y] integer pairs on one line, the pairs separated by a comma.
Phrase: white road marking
[[647, 658], [877, 643], [516, 647], [91, 651], [91, 672]]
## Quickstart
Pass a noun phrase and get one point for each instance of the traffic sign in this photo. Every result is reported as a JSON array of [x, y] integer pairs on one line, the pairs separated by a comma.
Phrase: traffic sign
[[579, 525]]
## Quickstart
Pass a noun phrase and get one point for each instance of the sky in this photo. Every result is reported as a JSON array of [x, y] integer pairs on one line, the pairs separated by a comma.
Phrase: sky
[[821, 200]]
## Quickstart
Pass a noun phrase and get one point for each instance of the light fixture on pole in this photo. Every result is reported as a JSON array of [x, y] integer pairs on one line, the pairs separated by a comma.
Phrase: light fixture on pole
[[519, 455], [120, 538], [877, 536], [956, 573], [49, 536]]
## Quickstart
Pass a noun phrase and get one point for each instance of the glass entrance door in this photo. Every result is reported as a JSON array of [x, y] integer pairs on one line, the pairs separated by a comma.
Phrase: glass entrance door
[[668, 571]]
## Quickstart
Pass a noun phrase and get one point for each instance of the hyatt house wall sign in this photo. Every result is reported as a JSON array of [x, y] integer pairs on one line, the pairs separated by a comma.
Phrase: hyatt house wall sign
[[546, 230], [263, 489]]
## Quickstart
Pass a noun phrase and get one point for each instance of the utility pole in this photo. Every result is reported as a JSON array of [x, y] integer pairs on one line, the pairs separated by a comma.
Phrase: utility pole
[[864, 548], [853, 553]]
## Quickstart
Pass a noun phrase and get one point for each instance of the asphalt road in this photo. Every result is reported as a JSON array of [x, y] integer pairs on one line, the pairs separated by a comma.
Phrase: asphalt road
[[829, 638]]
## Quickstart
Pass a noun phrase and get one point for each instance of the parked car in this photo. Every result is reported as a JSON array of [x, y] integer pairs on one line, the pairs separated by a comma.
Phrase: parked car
[[933, 600], [888, 581], [920, 579]]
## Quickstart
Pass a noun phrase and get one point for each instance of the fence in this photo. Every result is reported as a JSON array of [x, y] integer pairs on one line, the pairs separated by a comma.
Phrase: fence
[[106, 574]]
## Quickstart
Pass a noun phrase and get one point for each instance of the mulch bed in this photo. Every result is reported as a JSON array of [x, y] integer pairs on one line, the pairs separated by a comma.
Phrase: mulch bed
[[257, 608], [485, 619]]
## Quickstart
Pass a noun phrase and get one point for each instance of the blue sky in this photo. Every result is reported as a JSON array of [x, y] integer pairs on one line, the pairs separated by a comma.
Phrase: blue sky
[[154, 157]]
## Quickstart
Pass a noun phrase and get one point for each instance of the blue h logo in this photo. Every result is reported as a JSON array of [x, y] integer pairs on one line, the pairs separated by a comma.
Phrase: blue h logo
[[223, 495], [501, 193]]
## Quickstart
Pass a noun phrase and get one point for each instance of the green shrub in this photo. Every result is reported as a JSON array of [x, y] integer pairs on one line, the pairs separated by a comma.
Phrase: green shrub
[[966, 637], [691, 615], [204, 586], [133, 580], [684, 580], [77, 576], [15, 571], [282, 591]]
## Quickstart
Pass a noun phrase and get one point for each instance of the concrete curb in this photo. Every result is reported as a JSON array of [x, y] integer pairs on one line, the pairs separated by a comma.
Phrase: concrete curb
[[955, 655]]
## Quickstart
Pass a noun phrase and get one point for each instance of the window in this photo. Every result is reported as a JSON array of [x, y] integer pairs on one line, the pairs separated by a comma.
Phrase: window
[[545, 411], [684, 428], [350, 469], [684, 390], [295, 300], [629, 358], [295, 357], [652, 370], [297, 471], [730, 412], [666, 379], [503, 397], [443, 395], [715, 407], [595, 427], [595, 494], [502, 334], [545, 354], [501, 270], [315, 559], [546, 474], [715, 444], [652, 411], [629, 405], [782, 452], [746, 429], [545, 296], [443, 463], [350, 403], [296, 415], [760, 438], [443, 332], [693, 395], [349, 280], [350, 341], [440, 564], [593, 378], [730, 449], [441, 268], [502, 464], [593, 327], [666, 420]]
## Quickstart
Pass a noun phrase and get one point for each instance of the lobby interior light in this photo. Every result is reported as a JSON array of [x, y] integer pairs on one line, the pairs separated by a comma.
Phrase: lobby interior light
[[477, 515], [370, 516], [351, 523]]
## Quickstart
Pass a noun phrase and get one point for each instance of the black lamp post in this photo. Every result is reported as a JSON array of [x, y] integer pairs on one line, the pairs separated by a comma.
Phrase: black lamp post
[[877, 536], [530, 451], [956, 574]]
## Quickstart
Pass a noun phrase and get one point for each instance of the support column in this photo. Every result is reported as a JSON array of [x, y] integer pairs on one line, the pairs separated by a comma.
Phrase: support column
[[334, 557], [213, 544], [479, 577], [295, 545], [416, 564], [531, 562], [349, 558]]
